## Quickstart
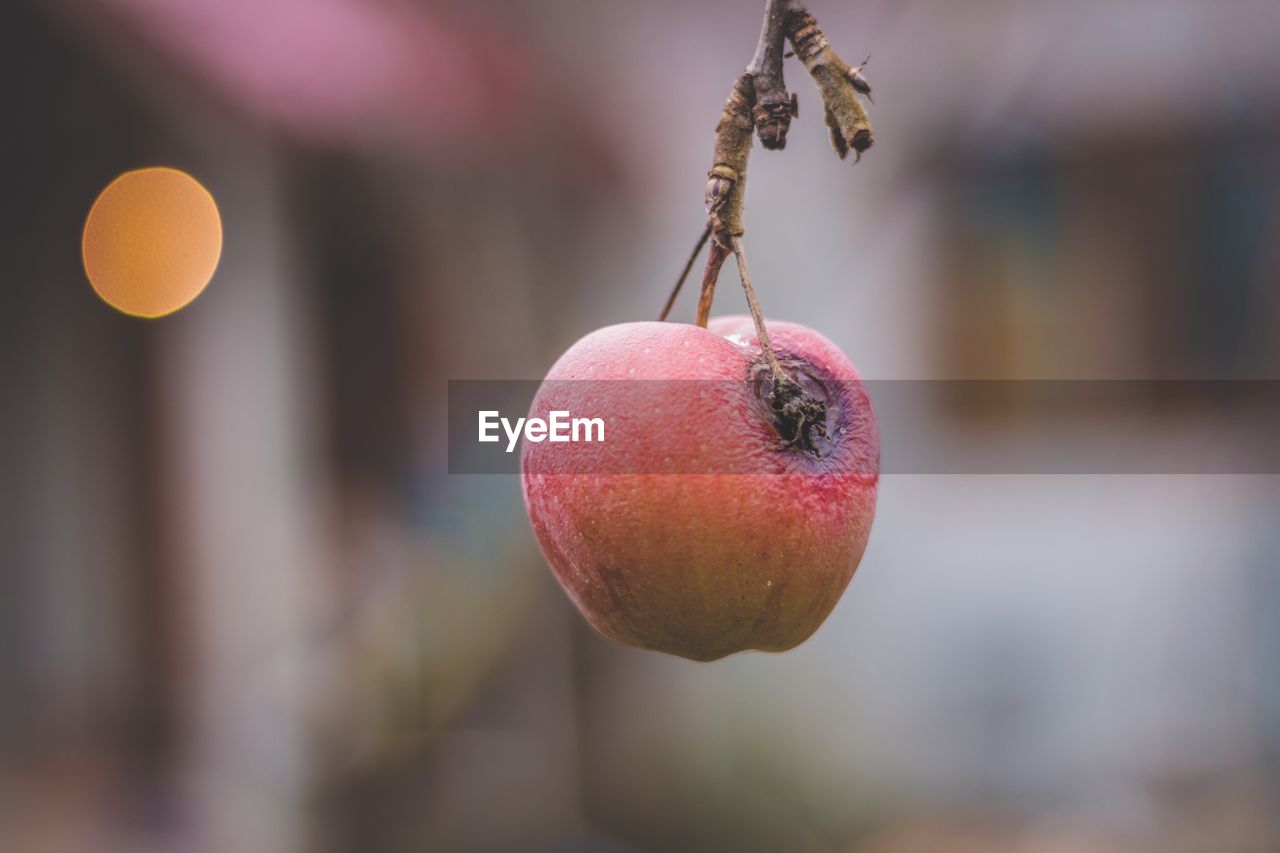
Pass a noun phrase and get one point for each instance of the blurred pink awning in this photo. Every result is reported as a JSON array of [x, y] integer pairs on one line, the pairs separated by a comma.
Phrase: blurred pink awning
[[344, 70]]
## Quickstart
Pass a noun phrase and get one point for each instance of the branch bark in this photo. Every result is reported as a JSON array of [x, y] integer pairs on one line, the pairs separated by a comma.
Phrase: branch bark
[[727, 180], [774, 106]]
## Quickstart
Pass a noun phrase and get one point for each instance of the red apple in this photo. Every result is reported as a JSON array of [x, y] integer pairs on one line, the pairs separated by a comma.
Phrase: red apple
[[694, 528]]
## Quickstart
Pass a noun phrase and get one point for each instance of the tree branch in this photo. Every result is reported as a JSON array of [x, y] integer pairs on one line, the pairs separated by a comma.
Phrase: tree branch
[[758, 101]]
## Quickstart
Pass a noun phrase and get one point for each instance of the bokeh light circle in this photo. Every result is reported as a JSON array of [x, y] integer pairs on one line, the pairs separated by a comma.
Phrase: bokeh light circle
[[152, 241]]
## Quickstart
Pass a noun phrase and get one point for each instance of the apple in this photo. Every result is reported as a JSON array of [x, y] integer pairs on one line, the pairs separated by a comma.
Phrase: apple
[[700, 527]]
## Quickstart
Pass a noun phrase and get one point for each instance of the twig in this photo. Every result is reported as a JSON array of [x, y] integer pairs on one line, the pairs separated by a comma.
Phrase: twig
[[774, 106], [759, 101], [726, 184], [727, 180], [684, 273], [839, 83]]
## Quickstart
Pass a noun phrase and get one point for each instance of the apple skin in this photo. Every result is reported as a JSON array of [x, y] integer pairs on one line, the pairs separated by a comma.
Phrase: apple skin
[[751, 556]]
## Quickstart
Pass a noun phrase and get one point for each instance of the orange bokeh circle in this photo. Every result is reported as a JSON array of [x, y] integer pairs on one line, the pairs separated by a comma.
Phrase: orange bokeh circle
[[152, 241]]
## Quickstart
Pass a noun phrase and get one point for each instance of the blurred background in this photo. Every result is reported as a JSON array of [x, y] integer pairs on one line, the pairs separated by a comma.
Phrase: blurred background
[[244, 607]]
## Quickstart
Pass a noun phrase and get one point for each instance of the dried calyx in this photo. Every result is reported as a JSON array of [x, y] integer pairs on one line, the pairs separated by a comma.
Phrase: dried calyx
[[798, 416]]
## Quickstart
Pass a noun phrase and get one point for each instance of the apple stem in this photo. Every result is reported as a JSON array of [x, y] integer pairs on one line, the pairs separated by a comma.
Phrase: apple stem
[[762, 335], [798, 413], [715, 260], [688, 265]]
